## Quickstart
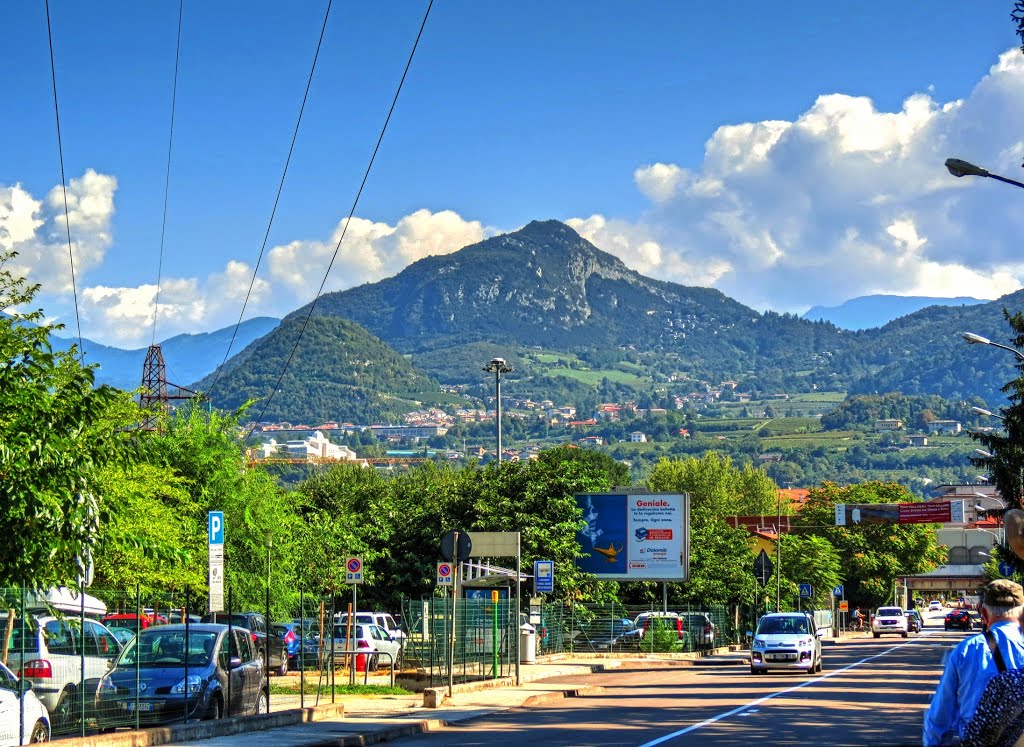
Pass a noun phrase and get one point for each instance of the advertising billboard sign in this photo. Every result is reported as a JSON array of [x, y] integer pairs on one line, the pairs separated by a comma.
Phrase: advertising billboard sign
[[635, 536], [932, 512]]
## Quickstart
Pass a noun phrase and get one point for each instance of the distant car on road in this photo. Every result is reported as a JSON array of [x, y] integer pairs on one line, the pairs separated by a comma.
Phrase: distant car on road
[[914, 621], [890, 620], [958, 619], [934, 606], [272, 648]]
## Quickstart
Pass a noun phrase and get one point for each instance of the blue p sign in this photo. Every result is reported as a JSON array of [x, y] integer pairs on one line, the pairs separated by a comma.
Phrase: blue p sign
[[215, 527]]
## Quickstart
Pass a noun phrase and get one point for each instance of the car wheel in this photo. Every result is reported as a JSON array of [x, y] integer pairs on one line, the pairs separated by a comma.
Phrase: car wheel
[[372, 663], [261, 704], [904, 634], [216, 710], [755, 670], [66, 714], [398, 660], [877, 635], [282, 671], [39, 733]]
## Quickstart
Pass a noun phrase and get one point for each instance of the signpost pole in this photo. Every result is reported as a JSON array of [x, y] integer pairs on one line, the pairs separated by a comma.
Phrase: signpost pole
[[451, 637], [518, 607]]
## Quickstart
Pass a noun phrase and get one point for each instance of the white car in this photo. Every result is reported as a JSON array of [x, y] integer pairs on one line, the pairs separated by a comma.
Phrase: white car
[[935, 606], [36, 726], [383, 619], [381, 648], [890, 620], [785, 640]]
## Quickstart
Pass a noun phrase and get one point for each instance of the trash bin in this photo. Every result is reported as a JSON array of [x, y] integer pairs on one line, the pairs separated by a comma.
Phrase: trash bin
[[527, 644]]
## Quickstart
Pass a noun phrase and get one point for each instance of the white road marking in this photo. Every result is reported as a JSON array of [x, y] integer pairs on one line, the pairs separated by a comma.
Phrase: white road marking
[[766, 698]]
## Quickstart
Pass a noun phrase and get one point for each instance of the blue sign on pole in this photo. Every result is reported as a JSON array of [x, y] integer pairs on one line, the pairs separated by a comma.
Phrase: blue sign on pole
[[1005, 568], [838, 591], [543, 576], [215, 527], [806, 592]]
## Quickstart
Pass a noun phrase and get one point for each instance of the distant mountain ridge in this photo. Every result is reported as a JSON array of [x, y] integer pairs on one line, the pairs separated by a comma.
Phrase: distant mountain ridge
[[869, 312], [188, 356]]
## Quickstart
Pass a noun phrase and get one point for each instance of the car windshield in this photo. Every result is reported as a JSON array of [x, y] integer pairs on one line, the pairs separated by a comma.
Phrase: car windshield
[[777, 625], [889, 611], [157, 647]]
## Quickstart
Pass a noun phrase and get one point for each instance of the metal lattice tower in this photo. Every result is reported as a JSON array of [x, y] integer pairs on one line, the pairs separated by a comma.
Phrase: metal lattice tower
[[155, 396]]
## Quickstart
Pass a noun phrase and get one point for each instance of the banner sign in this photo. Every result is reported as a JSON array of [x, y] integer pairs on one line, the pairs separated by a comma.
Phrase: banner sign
[[635, 536], [933, 512]]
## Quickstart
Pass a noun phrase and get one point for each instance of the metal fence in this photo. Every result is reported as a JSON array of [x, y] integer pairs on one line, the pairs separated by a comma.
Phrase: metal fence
[[483, 644]]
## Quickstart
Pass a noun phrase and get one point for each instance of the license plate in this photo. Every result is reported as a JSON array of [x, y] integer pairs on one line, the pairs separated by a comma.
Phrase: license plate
[[780, 657], [141, 706]]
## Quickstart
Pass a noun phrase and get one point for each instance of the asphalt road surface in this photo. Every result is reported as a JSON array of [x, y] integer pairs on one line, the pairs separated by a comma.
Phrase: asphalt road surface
[[871, 693]]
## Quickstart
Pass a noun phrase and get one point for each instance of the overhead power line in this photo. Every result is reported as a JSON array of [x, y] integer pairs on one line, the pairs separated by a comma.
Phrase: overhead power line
[[277, 199], [167, 175], [63, 185], [351, 212]]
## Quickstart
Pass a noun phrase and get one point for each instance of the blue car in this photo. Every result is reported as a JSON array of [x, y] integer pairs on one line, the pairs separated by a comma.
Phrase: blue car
[[302, 650], [206, 671]]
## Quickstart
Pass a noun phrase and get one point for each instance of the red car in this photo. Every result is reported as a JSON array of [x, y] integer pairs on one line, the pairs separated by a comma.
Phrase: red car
[[959, 619]]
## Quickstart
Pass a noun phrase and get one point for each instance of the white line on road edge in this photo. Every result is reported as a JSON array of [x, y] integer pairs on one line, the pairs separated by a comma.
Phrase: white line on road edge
[[766, 698]]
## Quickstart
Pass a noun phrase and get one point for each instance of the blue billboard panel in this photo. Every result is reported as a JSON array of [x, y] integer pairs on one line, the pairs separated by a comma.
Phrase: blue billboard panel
[[635, 536]]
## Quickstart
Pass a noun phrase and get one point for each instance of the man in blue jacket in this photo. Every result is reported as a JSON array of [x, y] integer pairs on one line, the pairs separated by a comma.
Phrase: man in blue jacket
[[971, 665]]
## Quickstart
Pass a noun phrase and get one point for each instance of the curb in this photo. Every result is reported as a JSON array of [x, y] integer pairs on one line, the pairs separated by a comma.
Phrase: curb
[[555, 695], [190, 732]]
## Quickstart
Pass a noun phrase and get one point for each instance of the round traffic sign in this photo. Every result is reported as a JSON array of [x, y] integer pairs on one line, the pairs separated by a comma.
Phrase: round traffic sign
[[354, 565], [443, 569]]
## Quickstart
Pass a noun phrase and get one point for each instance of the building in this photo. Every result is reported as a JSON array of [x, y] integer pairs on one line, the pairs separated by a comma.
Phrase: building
[[638, 437], [888, 424], [944, 427]]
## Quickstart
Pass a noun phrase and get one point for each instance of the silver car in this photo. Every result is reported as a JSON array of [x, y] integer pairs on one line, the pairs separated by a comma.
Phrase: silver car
[[62, 660], [785, 640]]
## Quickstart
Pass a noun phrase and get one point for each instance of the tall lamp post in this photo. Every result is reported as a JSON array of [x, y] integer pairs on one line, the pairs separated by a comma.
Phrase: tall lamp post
[[498, 367], [972, 339], [958, 168]]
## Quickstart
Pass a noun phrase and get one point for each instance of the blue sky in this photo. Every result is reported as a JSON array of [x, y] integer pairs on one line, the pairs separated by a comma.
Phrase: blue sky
[[788, 154]]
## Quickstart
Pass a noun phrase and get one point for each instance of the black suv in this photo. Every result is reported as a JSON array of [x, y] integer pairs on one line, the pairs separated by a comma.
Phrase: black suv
[[256, 623]]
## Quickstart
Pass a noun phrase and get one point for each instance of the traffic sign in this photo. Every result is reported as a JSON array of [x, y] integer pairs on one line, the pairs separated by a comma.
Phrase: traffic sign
[[543, 576], [354, 571], [844, 606], [448, 548], [445, 574], [1006, 569], [763, 568], [806, 591], [838, 591], [215, 527]]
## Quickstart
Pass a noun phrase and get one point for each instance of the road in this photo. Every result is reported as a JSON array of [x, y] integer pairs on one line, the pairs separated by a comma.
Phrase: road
[[871, 693]]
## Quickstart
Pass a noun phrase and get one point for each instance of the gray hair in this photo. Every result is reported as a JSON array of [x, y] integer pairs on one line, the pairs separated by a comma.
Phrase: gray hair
[[1005, 613]]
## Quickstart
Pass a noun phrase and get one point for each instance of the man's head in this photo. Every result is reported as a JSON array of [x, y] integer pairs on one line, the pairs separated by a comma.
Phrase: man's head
[[1002, 599]]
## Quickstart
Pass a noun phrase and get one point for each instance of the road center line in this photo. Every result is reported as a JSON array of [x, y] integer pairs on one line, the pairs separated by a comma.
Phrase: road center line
[[766, 698]]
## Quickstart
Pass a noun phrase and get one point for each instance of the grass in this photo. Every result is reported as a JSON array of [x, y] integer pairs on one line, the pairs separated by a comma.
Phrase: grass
[[593, 378], [311, 689]]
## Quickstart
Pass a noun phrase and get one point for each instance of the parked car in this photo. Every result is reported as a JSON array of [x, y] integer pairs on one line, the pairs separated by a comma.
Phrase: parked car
[[275, 657], [958, 619], [51, 652], [225, 677], [382, 619], [298, 641], [700, 628], [934, 606], [15, 695], [604, 633], [671, 620], [132, 620], [123, 635], [890, 620], [371, 639], [785, 640], [914, 621]]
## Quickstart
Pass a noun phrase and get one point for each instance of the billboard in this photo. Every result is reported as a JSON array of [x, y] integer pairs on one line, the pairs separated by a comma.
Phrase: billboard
[[635, 536], [932, 512]]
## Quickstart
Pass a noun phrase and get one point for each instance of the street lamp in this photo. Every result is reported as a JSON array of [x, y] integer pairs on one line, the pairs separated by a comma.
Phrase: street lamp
[[988, 413], [958, 168], [972, 339], [497, 366]]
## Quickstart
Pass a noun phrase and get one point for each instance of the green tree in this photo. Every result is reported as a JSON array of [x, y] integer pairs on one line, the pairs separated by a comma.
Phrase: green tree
[[871, 555], [57, 433]]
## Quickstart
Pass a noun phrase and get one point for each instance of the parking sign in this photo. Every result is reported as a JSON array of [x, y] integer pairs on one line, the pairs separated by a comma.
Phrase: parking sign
[[354, 571], [445, 574]]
